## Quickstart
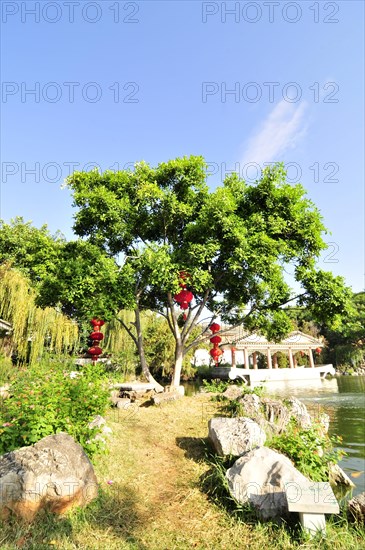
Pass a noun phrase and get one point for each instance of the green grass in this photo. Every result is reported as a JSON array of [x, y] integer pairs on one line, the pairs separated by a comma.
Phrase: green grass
[[167, 493]]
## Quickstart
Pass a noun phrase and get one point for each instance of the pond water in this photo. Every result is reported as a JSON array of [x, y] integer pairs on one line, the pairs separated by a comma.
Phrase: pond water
[[343, 399]]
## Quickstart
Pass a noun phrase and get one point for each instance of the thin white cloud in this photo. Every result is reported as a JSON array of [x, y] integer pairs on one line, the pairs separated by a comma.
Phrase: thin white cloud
[[281, 131]]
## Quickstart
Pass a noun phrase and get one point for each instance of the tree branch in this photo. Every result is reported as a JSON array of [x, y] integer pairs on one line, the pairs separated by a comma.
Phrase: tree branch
[[128, 330]]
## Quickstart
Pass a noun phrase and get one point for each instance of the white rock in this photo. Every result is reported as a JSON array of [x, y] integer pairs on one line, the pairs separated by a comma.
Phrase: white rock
[[259, 477], [235, 436]]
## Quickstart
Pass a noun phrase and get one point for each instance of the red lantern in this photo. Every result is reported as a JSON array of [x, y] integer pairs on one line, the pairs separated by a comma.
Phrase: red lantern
[[97, 336], [318, 350], [216, 339], [216, 353], [97, 322], [215, 327], [184, 298], [95, 350]]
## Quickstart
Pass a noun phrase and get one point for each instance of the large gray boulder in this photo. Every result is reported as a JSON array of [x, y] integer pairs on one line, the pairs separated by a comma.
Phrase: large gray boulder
[[356, 507], [259, 478], [55, 473], [235, 436]]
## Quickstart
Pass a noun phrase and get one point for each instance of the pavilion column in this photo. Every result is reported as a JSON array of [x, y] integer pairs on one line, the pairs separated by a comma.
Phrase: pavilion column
[[246, 358], [275, 361], [233, 353], [291, 362], [295, 362], [311, 360], [269, 363], [254, 357]]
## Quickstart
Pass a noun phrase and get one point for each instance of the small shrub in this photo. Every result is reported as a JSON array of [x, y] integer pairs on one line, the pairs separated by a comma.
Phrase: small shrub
[[215, 386], [46, 400], [310, 450]]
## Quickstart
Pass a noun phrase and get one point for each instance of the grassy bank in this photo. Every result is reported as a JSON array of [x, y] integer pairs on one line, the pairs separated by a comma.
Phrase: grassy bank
[[154, 494]]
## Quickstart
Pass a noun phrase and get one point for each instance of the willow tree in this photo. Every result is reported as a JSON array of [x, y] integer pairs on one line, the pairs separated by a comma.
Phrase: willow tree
[[235, 244], [33, 328]]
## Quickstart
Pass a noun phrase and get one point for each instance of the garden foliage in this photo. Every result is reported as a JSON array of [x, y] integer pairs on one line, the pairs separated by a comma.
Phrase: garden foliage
[[50, 398]]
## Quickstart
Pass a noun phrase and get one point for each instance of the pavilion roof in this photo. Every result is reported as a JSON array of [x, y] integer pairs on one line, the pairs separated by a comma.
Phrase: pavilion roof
[[295, 340]]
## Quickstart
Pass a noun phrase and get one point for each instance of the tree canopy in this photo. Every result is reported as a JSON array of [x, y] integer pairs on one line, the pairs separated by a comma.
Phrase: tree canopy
[[234, 244]]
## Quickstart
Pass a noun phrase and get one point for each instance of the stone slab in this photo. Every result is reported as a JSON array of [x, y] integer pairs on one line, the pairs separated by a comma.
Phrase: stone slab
[[314, 498]]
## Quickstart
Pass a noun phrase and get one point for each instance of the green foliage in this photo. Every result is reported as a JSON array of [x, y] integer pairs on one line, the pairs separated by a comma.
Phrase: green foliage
[[311, 451], [33, 329], [346, 341], [283, 360], [86, 283], [215, 385], [234, 407], [34, 251], [47, 399]]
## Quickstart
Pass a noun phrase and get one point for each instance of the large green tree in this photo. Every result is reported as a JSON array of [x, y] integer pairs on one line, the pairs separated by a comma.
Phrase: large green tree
[[235, 244]]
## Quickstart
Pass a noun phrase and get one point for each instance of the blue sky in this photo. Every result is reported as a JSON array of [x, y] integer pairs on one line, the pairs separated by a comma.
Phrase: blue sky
[[241, 83]]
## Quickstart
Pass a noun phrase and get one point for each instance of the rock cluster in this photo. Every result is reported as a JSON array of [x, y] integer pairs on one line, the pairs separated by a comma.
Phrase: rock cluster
[[260, 474]]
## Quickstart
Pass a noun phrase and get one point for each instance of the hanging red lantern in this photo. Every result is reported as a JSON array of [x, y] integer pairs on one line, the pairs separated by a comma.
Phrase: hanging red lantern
[[215, 327], [216, 339], [318, 350], [97, 322], [95, 350], [216, 353], [97, 336], [184, 298]]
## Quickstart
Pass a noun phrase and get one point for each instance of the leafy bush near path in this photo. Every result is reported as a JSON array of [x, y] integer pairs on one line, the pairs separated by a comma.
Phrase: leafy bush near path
[[47, 399]]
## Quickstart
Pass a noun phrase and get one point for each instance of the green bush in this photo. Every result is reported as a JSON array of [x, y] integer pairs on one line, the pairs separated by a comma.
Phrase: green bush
[[47, 399], [215, 385], [310, 450]]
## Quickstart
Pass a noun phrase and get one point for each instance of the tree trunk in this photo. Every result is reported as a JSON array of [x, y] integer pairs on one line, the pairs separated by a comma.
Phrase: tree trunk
[[142, 357], [178, 364]]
